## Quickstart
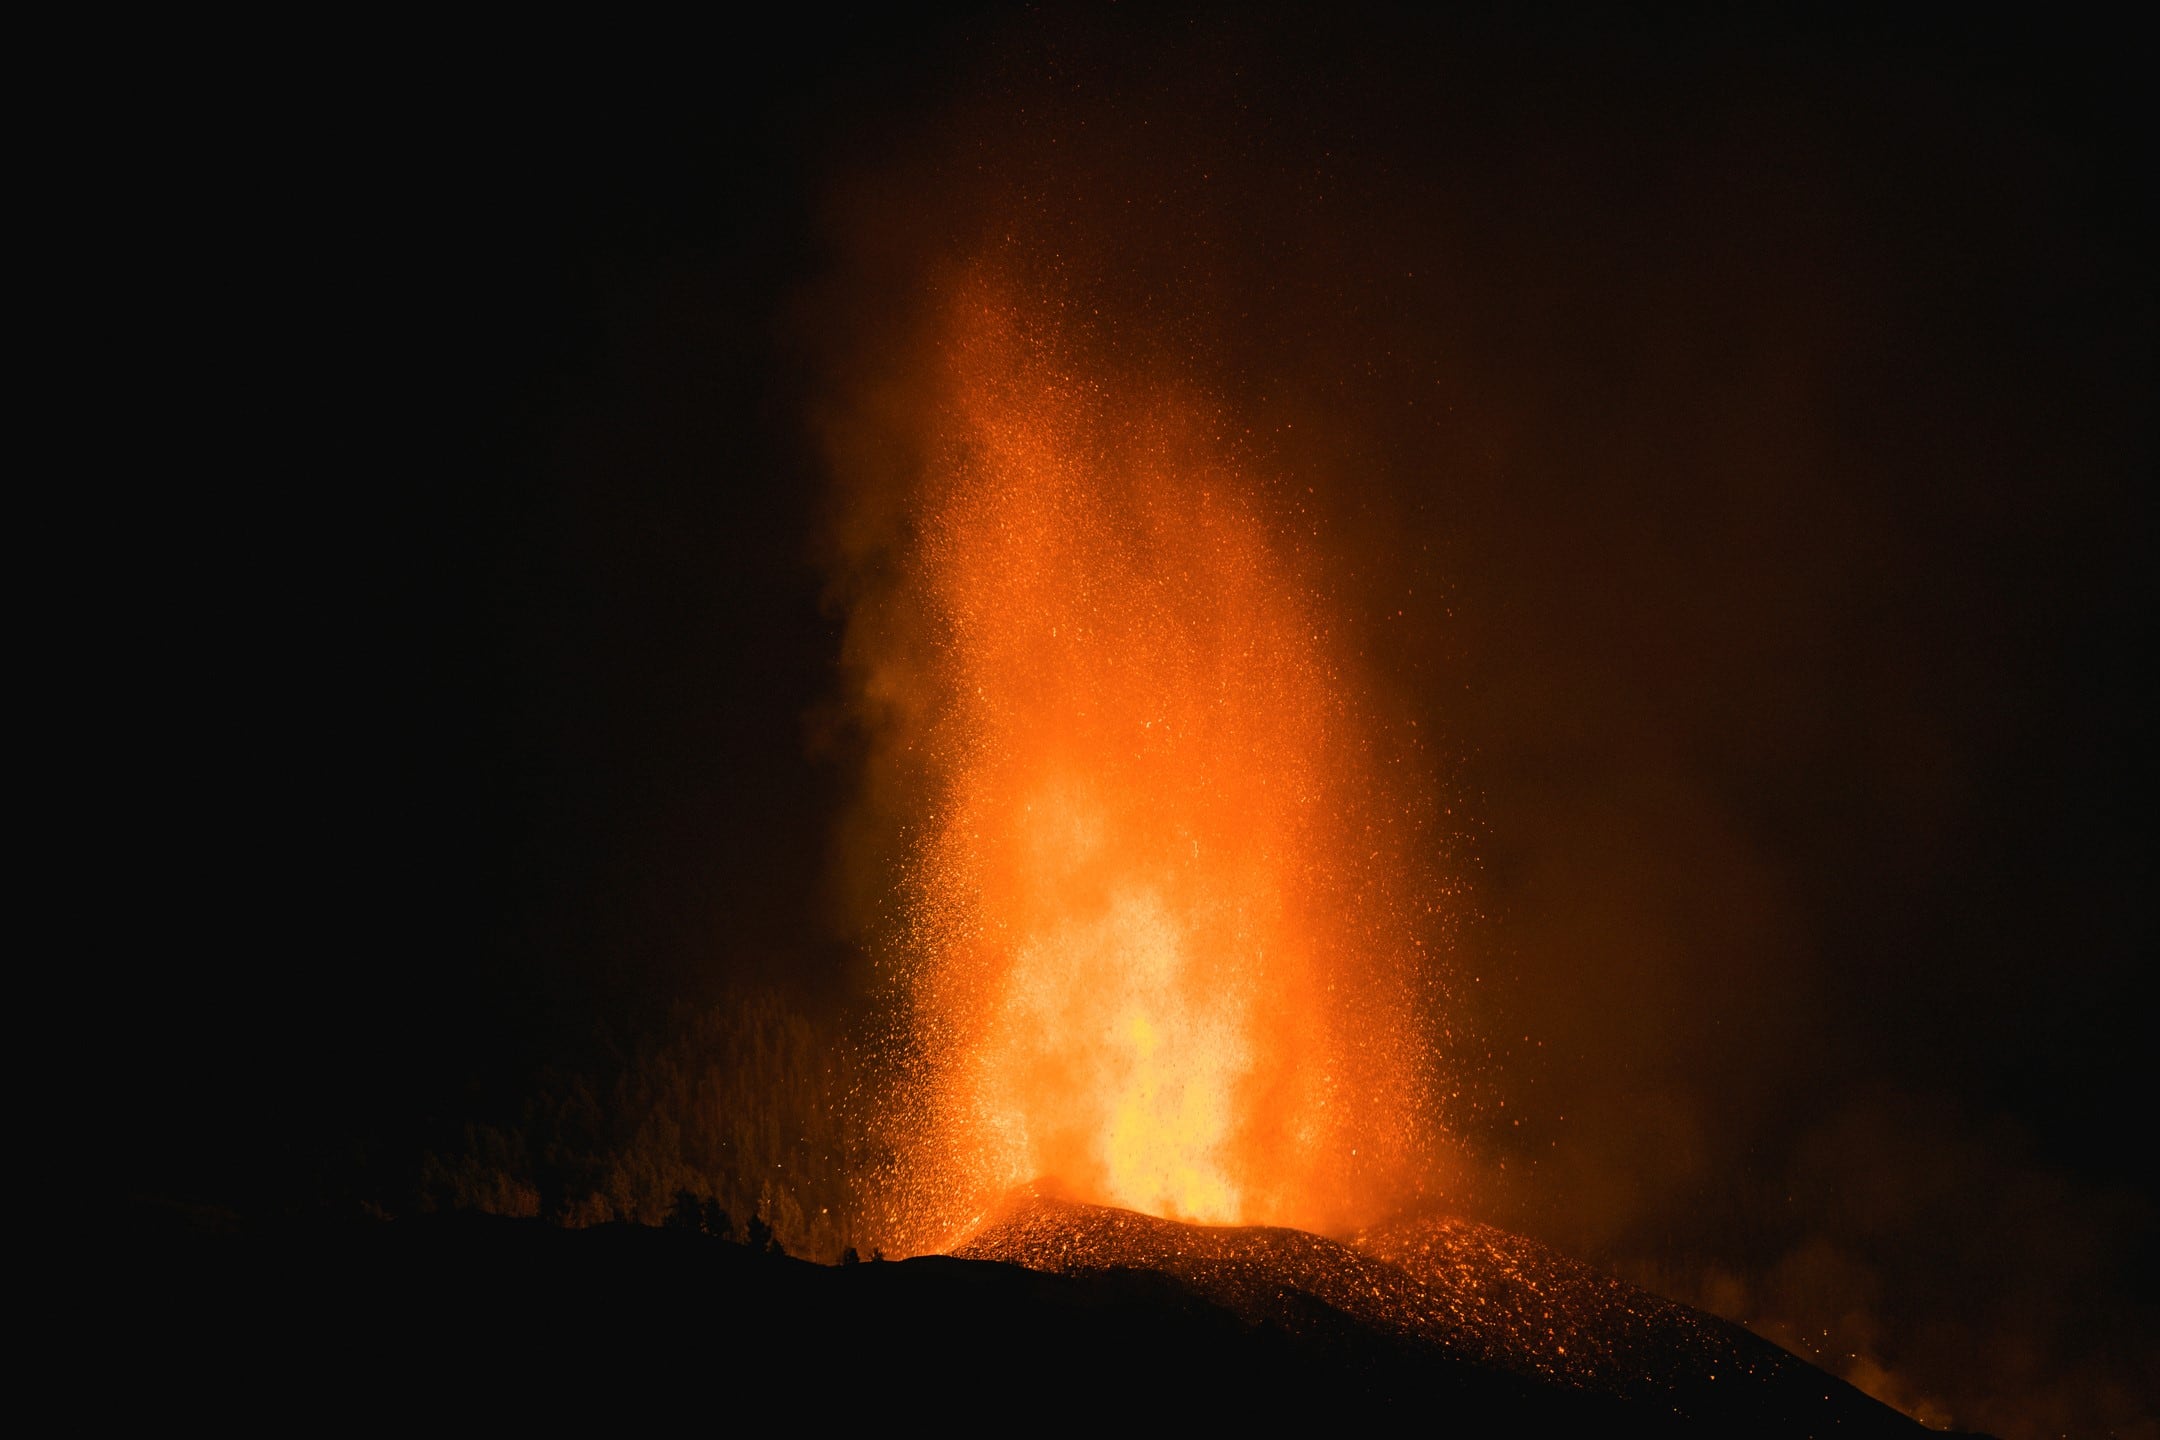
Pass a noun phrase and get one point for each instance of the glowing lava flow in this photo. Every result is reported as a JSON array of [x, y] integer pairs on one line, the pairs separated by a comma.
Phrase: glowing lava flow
[[1158, 956]]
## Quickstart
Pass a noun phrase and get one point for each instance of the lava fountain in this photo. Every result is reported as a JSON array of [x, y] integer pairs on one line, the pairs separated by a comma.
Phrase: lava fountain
[[1162, 944]]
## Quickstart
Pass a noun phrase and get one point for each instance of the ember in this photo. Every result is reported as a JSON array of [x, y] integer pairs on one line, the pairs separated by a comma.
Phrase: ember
[[1161, 954], [1460, 1290]]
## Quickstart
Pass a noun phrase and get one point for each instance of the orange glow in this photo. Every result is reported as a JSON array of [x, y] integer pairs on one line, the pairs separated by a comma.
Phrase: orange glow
[[1158, 956]]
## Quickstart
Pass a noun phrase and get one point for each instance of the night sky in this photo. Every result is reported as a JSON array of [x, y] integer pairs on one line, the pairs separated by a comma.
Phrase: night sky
[[1764, 416]]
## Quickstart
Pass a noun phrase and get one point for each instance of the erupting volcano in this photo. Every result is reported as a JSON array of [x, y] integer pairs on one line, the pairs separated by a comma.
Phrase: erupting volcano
[[1164, 950], [1169, 985]]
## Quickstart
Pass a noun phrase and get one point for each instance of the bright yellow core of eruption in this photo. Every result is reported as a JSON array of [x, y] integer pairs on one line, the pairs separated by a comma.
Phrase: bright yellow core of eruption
[[1109, 1056], [1157, 961]]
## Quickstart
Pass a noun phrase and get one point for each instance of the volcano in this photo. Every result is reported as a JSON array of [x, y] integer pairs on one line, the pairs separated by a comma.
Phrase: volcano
[[1464, 1294], [1047, 1310]]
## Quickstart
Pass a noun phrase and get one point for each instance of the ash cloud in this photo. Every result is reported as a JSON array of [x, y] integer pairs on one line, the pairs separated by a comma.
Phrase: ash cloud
[[1728, 451]]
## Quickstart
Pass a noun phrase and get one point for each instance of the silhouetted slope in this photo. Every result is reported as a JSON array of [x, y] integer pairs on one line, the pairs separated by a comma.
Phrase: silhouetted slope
[[482, 1320], [1467, 1292]]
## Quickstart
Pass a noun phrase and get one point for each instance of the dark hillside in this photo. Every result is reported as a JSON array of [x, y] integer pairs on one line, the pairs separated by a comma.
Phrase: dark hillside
[[482, 1320]]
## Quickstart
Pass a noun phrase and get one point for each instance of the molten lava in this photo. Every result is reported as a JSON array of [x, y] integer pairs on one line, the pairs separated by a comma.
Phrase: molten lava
[[1160, 952]]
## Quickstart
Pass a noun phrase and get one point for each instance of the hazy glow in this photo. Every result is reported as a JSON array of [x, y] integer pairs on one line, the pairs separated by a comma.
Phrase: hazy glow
[[1159, 961]]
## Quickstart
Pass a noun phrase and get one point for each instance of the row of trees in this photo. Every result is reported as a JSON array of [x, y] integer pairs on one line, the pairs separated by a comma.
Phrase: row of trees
[[705, 1217], [740, 1108]]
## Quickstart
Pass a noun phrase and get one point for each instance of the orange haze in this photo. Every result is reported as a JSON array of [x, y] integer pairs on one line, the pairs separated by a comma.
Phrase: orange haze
[[1161, 946]]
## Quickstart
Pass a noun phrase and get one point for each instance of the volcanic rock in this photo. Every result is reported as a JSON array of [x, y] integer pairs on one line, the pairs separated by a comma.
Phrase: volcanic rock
[[1469, 1293], [1050, 1313]]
